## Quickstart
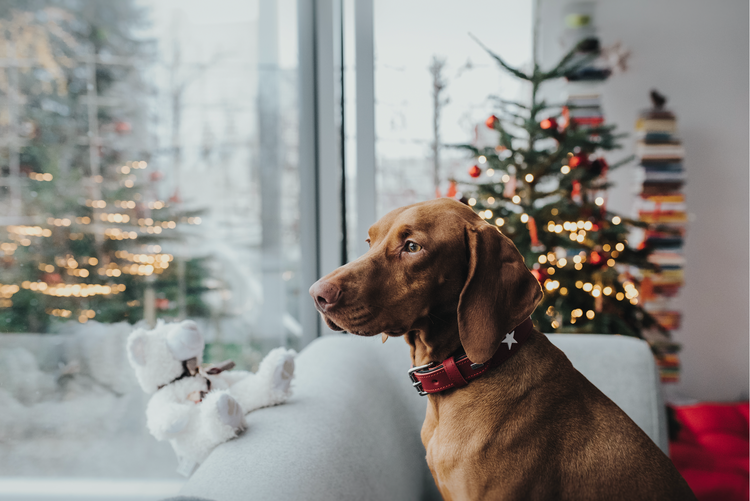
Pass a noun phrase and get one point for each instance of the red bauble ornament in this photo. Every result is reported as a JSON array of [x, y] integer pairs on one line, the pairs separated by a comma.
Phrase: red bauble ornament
[[541, 274], [575, 161], [595, 258], [548, 123], [492, 122], [475, 171]]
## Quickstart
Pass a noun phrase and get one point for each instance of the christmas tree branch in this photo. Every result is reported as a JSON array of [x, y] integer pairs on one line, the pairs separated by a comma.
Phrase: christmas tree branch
[[551, 159], [507, 102], [553, 73], [502, 63], [622, 162], [487, 152], [537, 108], [564, 67], [514, 115], [506, 138]]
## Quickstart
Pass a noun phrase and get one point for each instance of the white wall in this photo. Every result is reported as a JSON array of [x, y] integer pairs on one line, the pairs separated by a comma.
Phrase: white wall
[[696, 53]]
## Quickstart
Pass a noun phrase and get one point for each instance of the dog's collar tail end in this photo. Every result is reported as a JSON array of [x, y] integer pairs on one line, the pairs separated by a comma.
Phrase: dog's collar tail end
[[456, 372]]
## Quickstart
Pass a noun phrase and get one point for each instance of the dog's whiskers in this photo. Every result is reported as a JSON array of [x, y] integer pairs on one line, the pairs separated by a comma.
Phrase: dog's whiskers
[[360, 317], [359, 320]]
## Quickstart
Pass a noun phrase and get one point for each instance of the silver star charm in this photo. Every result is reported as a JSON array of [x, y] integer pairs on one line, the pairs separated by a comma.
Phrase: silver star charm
[[509, 339]]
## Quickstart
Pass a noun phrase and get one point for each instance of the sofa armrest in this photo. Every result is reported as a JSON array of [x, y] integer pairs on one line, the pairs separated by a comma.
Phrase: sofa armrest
[[349, 431]]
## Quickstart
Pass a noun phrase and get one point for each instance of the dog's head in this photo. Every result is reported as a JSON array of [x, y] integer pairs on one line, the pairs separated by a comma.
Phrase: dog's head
[[434, 267]]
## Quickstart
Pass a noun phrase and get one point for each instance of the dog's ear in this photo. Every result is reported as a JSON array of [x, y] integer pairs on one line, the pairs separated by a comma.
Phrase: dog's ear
[[499, 294]]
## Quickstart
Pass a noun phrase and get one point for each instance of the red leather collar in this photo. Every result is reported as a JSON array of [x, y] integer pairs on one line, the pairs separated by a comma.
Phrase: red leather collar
[[457, 371]]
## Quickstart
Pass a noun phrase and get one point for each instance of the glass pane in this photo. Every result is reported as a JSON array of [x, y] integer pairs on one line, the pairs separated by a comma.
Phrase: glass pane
[[410, 38], [148, 160]]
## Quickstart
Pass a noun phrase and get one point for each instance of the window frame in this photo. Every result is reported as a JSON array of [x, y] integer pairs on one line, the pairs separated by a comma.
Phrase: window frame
[[322, 206]]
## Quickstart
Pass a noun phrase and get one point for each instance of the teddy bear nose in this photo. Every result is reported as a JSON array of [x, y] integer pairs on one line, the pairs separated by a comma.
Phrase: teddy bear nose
[[325, 295]]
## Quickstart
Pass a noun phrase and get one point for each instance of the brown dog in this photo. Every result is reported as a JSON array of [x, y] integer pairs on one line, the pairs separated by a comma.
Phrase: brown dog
[[531, 428]]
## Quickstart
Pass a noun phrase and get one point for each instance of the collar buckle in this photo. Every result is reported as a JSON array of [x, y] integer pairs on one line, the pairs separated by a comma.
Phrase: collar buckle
[[416, 383]]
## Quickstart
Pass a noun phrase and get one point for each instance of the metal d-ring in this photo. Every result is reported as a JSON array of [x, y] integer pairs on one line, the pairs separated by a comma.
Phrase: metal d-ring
[[416, 383]]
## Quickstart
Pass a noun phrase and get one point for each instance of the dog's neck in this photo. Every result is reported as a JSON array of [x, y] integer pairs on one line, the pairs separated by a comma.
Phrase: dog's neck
[[431, 342]]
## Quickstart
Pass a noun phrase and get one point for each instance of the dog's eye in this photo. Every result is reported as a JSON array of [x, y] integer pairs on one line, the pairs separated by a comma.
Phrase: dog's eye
[[368, 242], [412, 247]]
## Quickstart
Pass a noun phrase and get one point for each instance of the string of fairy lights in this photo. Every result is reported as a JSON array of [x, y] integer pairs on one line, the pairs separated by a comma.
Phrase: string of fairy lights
[[83, 277]]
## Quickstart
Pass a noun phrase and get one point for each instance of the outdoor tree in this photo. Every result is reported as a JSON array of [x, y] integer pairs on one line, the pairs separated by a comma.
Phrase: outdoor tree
[[83, 227]]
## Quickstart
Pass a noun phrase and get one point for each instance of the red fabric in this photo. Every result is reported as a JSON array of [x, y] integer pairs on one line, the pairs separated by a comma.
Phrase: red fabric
[[712, 450]]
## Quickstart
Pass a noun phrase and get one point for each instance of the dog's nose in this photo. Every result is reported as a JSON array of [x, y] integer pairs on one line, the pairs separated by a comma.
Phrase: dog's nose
[[325, 294]]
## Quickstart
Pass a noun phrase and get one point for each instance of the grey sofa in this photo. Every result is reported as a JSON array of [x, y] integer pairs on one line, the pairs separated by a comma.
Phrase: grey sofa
[[351, 430]]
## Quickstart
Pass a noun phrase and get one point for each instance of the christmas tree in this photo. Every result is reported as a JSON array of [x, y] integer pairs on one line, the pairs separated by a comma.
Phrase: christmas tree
[[544, 185], [84, 233]]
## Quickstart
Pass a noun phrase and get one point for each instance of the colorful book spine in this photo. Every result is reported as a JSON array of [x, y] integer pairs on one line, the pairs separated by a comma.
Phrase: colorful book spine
[[662, 206]]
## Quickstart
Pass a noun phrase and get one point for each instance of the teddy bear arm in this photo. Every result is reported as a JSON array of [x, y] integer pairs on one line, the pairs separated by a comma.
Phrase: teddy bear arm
[[250, 391], [269, 386]]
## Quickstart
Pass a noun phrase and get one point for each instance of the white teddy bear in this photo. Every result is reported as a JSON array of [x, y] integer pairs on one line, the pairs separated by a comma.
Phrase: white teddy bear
[[194, 408]]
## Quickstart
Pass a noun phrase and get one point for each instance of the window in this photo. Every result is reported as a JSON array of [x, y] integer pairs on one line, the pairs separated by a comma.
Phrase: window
[[416, 44], [148, 170]]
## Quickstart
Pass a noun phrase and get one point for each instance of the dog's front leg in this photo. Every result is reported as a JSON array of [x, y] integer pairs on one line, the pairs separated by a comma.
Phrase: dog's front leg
[[429, 437]]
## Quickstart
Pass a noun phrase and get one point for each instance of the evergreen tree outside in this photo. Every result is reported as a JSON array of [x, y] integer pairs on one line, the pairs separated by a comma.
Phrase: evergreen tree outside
[[544, 186], [84, 233]]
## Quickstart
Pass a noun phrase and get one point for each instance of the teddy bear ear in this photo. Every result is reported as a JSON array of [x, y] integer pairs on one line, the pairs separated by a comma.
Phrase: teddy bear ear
[[137, 348], [185, 341]]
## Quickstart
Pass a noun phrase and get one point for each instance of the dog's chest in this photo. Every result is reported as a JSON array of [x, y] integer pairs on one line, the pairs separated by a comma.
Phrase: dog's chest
[[452, 456], [472, 448], [455, 470]]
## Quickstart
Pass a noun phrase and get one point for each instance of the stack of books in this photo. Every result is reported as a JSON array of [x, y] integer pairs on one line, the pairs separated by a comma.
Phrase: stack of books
[[587, 67], [662, 206], [585, 109]]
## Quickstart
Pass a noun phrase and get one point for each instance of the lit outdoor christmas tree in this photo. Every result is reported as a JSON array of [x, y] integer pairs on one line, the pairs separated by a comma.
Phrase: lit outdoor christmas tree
[[544, 185], [83, 227]]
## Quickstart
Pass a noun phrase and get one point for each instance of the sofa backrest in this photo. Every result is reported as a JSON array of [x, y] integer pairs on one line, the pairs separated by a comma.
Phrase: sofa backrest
[[622, 368]]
